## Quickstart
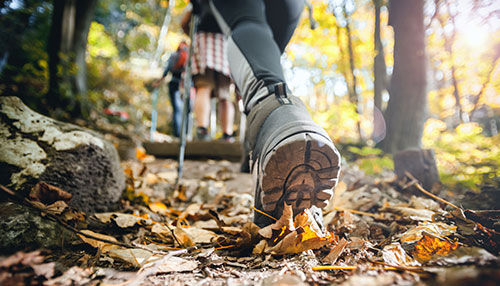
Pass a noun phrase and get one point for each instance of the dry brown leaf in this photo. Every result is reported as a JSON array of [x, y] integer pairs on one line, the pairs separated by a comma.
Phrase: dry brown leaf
[[56, 208], [168, 176], [414, 214], [182, 237], [260, 247], [177, 264], [73, 276], [48, 194], [336, 251], [306, 235], [160, 229], [103, 246], [394, 254], [151, 179], [437, 229], [285, 223], [137, 257], [123, 220], [199, 235]]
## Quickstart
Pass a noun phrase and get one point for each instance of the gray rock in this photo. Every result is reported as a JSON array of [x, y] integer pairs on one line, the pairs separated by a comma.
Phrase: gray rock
[[36, 148], [25, 229]]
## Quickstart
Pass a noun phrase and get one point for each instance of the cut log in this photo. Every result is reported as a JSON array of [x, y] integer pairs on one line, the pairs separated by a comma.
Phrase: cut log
[[36, 148], [420, 163]]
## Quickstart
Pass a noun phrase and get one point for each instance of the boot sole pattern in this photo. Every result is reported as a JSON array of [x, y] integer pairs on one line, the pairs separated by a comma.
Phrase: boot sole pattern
[[301, 171]]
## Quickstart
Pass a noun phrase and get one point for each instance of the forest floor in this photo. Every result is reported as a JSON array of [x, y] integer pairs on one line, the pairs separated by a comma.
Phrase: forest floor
[[381, 231]]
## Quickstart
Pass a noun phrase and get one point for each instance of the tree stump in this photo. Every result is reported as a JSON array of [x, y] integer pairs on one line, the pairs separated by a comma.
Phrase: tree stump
[[420, 163], [36, 148]]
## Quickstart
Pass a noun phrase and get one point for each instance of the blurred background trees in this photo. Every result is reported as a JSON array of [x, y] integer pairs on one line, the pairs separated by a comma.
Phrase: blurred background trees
[[429, 66]]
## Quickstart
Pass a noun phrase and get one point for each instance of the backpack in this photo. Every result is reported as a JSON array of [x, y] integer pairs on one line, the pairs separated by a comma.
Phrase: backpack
[[181, 60]]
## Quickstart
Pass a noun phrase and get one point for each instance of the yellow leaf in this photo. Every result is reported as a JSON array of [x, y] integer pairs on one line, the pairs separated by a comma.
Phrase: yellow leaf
[[158, 207], [428, 246], [140, 153]]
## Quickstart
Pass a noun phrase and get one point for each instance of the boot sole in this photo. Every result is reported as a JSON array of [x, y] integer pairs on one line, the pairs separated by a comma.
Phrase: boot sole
[[302, 171]]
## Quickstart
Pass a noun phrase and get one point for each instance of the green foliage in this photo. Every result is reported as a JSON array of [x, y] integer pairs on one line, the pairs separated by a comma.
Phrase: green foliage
[[371, 160], [24, 33], [339, 120], [100, 44], [465, 157]]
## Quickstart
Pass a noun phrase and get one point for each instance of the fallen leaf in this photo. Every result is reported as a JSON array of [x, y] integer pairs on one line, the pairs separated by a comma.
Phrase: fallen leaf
[[73, 276], [182, 237], [199, 235], [428, 246], [123, 220], [285, 223], [103, 246], [177, 264], [394, 254], [46, 270], [260, 247], [151, 179], [414, 214], [159, 208], [305, 234], [437, 229], [56, 208], [48, 194], [140, 153], [135, 256], [336, 251], [168, 176]]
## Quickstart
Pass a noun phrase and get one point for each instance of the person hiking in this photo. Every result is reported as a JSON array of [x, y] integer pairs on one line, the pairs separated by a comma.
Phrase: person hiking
[[175, 66], [293, 159], [210, 73]]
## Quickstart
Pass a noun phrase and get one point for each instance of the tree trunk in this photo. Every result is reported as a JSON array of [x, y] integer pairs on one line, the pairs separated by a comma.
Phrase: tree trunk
[[350, 78], [379, 67], [84, 15], [67, 46], [407, 107]]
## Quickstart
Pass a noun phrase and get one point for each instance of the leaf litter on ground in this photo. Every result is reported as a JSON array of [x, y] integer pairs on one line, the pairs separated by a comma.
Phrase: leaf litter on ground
[[204, 231]]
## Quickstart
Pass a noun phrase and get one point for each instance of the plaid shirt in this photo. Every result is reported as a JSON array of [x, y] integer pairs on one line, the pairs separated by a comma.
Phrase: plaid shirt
[[210, 51]]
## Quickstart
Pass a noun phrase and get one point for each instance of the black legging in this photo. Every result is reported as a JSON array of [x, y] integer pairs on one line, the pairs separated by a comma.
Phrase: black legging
[[258, 32]]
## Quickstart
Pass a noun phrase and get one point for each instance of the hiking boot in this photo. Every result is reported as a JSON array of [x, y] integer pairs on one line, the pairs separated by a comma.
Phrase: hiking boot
[[293, 160], [227, 138], [202, 134]]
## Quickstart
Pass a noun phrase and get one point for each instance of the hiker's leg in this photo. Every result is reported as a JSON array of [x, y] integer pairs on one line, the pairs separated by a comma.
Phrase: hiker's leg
[[294, 160], [175, 100], [226, 106], [204, 85], [289, 12], [254, 56], [202, 106]]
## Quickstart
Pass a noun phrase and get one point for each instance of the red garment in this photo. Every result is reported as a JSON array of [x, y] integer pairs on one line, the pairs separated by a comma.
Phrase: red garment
[[210, 51]]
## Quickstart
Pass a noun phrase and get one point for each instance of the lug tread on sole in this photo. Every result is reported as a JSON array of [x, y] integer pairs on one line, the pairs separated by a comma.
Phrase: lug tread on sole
[[302, 171]]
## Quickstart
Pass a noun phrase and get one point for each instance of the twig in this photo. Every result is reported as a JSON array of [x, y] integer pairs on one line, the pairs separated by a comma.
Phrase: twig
[[334, 267], [405, 268], [261, 212], [358, 212], [420, 188]]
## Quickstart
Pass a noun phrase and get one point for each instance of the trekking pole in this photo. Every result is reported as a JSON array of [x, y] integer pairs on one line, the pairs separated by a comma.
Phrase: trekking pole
[[187, 99], [154, 115]]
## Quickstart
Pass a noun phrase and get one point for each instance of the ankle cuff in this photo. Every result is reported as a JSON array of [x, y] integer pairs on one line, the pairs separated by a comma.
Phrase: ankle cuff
[[262, 109]]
